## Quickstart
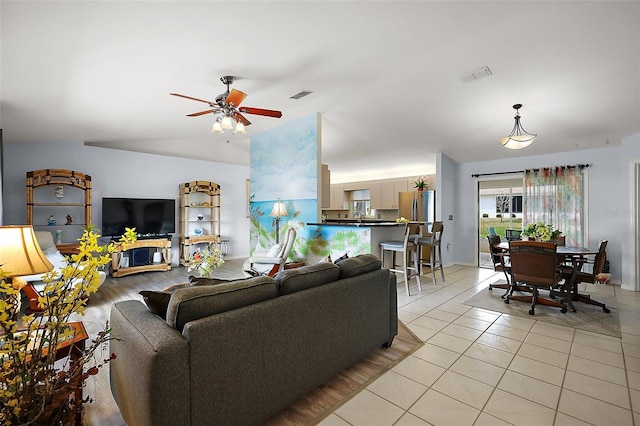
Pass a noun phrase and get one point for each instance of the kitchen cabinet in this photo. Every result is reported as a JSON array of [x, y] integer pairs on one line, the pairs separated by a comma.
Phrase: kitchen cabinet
[[389, 191], [376, 195], [337, 197]]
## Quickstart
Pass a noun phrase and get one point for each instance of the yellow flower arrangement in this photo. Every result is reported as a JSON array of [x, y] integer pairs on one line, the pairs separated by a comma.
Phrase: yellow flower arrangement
[[33, 388]]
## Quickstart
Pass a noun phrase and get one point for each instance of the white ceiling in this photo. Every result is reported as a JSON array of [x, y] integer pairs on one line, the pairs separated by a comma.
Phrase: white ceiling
[[385, 76]]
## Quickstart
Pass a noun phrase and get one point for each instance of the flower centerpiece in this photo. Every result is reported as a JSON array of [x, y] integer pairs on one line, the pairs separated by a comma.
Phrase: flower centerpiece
[[34, 388], [541, 231], [205, 261], [422, 182]]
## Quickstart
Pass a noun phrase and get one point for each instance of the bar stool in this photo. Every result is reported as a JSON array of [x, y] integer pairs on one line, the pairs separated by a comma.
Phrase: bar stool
[[407, 247], [432, 240]]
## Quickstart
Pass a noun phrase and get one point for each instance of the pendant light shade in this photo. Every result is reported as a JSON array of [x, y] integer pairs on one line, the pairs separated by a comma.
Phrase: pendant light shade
[[217, 127], [240, 130], [519, 137], [226, 123]]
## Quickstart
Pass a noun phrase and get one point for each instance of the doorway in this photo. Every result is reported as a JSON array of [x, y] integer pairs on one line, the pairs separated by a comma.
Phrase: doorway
[[499, 209]]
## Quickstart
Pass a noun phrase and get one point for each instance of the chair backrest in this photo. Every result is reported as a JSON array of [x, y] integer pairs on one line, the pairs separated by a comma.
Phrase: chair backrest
[[437, 230], [491, 230], [598, 262], [533, 262], [496, 257], [513, 234], [287, 244]]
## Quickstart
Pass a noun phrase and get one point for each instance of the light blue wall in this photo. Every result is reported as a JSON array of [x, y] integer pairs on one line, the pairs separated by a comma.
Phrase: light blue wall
[[118, 173], [608, 191]]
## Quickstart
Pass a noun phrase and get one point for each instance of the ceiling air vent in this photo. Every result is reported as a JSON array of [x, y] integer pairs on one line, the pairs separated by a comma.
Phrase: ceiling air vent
[[475, 74], [301, 94]]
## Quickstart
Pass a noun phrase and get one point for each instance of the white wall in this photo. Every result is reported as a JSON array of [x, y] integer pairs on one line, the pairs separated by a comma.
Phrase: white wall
[[118, 173], [608, 191], [630, 154], [446, 205]]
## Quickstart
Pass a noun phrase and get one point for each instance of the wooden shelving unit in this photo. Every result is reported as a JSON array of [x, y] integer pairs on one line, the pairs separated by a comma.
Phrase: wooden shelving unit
[[44, 202], [139, 257], [198, 217]]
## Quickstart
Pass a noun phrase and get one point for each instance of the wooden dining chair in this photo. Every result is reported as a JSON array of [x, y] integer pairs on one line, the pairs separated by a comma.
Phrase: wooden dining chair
[[533, 264], [574, 275], [500, 263]]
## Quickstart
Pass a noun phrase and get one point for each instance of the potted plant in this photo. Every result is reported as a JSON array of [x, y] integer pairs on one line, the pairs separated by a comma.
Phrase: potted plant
[[540, 231], [421, 183], [34, 388]]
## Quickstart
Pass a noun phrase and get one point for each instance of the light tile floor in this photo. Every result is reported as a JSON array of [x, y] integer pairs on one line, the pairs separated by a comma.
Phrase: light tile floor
[[481, 367]]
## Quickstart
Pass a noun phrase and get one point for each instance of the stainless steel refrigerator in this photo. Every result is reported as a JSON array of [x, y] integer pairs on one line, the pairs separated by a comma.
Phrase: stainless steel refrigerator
[[417, 206]]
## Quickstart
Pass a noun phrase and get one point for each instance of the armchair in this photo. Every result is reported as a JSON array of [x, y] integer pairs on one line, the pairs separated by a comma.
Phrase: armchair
[[273, 261]]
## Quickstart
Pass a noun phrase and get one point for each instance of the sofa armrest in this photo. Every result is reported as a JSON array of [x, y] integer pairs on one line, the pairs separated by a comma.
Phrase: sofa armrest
[[150, 375]]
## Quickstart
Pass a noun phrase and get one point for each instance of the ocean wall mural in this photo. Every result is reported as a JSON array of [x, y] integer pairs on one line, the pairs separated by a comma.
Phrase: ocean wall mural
[[285, 166]]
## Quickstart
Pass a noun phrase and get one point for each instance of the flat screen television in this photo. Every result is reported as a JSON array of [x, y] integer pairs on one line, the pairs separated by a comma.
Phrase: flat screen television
[[150, 216]]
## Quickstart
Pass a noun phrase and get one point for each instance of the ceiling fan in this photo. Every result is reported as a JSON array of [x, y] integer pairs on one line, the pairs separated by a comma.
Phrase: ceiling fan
[[228, 105]]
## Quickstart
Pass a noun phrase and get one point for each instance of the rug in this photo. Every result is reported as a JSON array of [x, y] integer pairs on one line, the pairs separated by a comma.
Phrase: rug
[[327, 398], [587, 317]]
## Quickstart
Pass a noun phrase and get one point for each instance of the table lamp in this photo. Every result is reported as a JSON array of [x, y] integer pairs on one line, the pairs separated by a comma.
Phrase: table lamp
[[20, 254], [277, 212]]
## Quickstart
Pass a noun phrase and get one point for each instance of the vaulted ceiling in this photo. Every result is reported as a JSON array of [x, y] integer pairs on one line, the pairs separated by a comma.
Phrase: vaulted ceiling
[[386, 76]]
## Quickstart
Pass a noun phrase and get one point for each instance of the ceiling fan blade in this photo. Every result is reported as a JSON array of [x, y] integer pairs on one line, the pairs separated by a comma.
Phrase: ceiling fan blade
[[261, 111], [241, 118], [193, 99], [196, 114], [235, 97]]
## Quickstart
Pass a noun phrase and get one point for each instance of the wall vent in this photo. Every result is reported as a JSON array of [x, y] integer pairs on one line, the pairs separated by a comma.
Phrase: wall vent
[[301, 94]]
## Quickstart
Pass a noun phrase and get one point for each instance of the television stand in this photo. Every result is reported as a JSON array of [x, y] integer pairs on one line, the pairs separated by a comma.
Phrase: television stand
[[147, 254]]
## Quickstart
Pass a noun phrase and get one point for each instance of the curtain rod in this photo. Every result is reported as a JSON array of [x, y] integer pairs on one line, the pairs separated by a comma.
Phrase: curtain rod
[[568, 166]]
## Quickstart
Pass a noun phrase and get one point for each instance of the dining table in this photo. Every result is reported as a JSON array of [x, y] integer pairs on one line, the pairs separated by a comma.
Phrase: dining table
[[576, 256]]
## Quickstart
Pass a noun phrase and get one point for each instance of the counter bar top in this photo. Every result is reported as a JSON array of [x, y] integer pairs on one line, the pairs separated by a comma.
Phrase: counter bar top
[[356, 223]]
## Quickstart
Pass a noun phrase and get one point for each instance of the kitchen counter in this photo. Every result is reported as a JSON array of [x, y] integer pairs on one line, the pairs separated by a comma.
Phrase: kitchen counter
[[353, 237], [355, 222]]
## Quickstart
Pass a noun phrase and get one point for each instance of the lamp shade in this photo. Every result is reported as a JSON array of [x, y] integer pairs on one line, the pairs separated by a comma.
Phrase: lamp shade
[[226, 123], [517, 141], [519, 137], [240, 130], [20, 253], [217, 127], [278, 210]]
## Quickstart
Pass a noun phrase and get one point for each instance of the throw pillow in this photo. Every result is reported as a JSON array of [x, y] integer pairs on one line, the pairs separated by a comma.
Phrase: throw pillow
[[156, 301], [341, 258]]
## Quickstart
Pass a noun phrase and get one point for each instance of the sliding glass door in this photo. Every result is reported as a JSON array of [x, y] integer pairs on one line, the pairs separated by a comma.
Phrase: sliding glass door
[[499, 209]]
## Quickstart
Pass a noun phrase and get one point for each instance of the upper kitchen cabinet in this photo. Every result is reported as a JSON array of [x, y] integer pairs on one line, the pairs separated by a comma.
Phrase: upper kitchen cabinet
[[388, 194], [337, 197]]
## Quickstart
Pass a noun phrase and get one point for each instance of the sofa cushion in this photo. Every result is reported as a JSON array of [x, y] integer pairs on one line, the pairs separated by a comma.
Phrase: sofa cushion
[[194, 302], [358, 265], [293, 280], [157, 301]]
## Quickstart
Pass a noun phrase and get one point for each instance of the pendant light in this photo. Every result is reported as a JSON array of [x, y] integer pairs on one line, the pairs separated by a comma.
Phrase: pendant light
[[519, 137]]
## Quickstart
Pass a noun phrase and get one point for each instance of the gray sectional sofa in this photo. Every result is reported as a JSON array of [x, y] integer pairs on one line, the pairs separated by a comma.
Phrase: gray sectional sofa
[[237, 353]]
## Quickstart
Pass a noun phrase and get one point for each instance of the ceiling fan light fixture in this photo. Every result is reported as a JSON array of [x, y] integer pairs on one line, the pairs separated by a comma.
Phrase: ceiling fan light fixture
[[217, 127], [239, 130], [519, 137], [226, 123]]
